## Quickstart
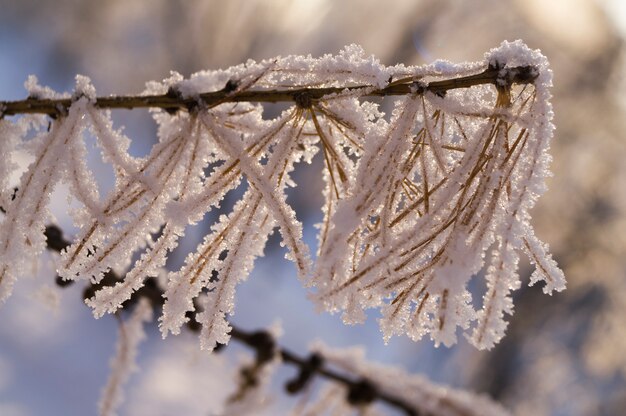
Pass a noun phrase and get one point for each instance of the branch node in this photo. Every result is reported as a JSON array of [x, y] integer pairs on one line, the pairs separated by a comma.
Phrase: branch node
[[264, 344], [175, 94], [303, 100], [495, 65], [516, 75], [525, 74], [361, 392], [231, 86], [418, 87], [304, 377]]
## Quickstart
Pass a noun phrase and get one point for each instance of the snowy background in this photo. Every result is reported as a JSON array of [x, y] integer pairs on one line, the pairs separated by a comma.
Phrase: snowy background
[[561, 356]]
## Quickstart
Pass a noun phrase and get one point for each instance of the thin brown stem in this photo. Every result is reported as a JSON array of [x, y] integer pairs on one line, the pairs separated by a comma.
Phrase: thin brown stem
[[173, 102]]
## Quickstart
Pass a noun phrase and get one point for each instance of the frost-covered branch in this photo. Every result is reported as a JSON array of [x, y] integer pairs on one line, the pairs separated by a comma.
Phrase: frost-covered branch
[[417, 202], [172, 100]]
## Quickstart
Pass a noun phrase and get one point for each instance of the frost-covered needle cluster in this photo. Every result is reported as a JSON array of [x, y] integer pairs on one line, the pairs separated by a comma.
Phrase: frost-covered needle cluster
[[417, 202]]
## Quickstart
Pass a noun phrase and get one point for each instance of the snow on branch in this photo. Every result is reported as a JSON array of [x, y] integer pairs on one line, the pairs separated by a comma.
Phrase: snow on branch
[[417, 202]]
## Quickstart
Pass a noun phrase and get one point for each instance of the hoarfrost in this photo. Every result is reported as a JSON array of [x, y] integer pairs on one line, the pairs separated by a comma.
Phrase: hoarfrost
[[414, 202]]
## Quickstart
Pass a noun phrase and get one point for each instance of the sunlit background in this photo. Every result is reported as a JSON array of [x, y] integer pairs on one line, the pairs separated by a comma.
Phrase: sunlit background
[[562, 355]]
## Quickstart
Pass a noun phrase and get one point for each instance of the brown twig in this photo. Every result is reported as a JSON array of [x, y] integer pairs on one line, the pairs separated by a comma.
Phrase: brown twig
[[173, 101]]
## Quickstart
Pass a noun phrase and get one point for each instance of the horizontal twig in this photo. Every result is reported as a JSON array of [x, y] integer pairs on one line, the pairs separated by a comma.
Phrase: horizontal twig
[[173, 101]]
